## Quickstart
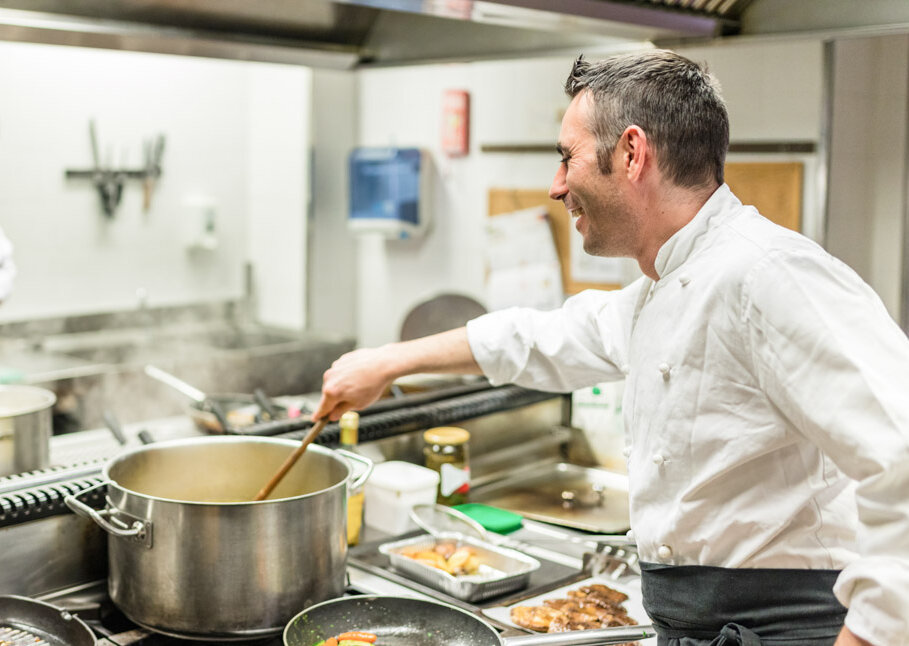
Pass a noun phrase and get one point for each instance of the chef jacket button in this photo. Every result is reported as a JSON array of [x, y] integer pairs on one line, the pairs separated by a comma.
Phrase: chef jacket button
[[658, 459], [625, 368], [684, 280], [626, 451], [630, 535], [665, 369], [664, 552]]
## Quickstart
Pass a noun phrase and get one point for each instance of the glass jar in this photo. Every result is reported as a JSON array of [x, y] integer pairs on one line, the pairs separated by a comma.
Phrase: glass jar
[[446, 451]]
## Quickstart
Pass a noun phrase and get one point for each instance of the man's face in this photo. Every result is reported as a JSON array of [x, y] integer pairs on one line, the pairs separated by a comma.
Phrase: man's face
[[596, 200]]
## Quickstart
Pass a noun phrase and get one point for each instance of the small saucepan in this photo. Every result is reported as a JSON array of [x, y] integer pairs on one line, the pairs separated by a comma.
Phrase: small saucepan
[[217, 413], [239, 410], [403, 621]]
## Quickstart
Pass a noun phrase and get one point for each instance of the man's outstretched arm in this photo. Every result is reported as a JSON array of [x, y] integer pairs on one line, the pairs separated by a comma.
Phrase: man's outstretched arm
[[358, 378]]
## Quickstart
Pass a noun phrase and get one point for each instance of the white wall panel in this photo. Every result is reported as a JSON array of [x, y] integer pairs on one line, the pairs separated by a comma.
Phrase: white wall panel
[[72, 259]]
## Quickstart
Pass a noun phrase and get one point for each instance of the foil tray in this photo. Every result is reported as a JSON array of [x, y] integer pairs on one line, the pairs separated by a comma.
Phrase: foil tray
[[502, 569], [569, 495]]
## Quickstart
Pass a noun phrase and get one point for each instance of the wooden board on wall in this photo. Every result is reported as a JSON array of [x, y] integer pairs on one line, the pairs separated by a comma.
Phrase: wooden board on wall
[[506, 200], [774, 188]]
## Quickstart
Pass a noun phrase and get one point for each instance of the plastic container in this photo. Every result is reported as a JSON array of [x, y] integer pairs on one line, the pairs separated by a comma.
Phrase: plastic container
[[392, 490]]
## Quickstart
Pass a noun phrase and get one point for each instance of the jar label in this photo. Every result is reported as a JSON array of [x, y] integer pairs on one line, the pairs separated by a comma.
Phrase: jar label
[[454, 479]]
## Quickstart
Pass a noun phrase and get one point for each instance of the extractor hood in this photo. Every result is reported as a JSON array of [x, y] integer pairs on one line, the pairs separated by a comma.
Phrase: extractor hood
[[348, 34], [356, 33]]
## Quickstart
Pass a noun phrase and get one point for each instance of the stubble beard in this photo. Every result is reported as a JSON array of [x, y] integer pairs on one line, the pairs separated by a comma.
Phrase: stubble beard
[[613, 233]]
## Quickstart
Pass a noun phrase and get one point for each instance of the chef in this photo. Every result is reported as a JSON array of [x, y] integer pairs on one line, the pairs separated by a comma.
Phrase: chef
[[767, 388], [7, 268]]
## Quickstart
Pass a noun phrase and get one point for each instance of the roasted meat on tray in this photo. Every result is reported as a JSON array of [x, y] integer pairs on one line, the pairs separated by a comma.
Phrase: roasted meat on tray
[[587, 607]]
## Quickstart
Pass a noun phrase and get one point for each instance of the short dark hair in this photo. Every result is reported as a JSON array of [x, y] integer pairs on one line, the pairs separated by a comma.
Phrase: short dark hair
[[674, 100]]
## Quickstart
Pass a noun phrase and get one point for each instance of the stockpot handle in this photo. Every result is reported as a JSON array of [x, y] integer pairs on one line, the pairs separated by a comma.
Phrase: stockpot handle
[[109, 519], [360, 480]]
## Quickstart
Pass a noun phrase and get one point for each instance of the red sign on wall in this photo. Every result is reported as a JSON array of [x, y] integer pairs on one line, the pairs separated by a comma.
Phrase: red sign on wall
[[455, 122]]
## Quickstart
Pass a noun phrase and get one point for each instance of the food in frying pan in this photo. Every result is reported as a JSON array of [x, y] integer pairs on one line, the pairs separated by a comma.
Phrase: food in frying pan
[[350, 638], [447, 556], [591, 606]]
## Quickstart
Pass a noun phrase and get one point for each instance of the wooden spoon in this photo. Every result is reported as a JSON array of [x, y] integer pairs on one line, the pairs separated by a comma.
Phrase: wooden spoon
[[291, 459]]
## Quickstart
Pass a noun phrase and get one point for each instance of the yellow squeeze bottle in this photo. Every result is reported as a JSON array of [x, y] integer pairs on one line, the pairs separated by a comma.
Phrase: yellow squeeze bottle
[[350, 426]]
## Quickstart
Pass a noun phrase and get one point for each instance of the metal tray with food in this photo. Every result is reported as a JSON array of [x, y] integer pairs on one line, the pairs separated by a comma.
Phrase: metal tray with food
[[462, 567], [594, 603]]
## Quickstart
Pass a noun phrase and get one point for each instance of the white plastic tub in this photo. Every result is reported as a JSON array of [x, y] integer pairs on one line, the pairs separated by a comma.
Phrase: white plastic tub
[[392, 490]]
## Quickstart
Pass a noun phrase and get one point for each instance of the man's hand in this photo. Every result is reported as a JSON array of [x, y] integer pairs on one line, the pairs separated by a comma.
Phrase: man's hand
[[847, 638], [354, 381]]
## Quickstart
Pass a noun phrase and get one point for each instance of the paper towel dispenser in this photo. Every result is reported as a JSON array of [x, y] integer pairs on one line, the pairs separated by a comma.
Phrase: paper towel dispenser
[[387, 189]]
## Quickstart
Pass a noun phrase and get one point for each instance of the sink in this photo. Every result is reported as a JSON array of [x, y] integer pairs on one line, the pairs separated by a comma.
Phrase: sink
[[127, 353], [134, 346], [242, 338], [102, 370]]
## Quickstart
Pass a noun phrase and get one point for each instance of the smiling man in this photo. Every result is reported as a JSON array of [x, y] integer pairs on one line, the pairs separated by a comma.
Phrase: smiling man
[[766, 407]]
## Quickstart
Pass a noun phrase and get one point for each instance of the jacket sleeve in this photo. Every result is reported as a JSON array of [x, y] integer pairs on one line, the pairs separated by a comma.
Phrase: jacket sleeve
[[829, 355], [581, 343]]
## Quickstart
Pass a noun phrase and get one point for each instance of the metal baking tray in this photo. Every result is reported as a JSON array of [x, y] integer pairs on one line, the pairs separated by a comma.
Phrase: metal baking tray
[[588, 498], [501, 569], [630, 585]]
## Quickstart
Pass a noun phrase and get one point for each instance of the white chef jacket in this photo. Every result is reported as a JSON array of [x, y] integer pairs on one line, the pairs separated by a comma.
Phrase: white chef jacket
[[766, 405]]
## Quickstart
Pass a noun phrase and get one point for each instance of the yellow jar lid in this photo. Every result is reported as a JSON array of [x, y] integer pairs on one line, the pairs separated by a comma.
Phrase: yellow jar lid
[[451, 435]]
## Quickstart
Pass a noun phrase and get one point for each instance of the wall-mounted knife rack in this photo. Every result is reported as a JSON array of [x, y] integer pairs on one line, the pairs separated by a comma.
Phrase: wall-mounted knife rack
[[109, 182]]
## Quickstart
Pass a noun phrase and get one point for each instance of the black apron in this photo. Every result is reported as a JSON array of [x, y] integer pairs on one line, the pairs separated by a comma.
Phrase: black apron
[[714, 606]]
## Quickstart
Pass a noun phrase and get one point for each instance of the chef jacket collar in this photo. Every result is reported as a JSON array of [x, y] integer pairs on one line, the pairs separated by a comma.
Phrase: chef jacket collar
[[683, 242]]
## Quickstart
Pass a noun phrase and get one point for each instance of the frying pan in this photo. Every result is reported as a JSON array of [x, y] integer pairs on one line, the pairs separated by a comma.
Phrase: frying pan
[[41, 623], [238, 410], [402, 621]]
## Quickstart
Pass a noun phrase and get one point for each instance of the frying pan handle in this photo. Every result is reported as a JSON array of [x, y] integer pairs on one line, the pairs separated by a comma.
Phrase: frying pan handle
[[112, 520], [595, 637], [361, 479]]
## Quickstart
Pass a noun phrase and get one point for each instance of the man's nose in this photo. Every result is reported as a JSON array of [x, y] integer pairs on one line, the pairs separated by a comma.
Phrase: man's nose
[[559, 188]]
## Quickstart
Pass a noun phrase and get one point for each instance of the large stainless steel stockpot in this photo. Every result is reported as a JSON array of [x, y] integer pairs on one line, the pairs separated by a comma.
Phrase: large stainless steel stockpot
[[25, 428], [191, 555]]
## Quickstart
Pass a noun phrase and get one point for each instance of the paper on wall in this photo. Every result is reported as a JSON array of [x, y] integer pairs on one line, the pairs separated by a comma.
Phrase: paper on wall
[[538, 286], [523, 265]]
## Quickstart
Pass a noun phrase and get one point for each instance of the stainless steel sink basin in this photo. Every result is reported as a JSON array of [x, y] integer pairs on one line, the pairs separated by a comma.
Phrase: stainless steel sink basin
[[126, 347], [96, 364], [242, 338], [120, 354]]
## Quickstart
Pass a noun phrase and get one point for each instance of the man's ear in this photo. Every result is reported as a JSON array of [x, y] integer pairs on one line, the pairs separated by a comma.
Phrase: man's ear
[[634, 149]]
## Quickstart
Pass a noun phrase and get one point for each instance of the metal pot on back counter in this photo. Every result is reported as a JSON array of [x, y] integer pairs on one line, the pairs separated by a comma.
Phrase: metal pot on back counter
[[192, 555], [25, 428]]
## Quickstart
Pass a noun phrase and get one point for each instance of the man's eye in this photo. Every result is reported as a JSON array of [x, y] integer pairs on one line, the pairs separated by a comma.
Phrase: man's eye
[[564, 159]]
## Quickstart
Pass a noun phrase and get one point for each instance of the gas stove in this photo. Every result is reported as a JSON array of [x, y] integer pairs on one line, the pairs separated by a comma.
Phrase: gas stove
[[368, 572]]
